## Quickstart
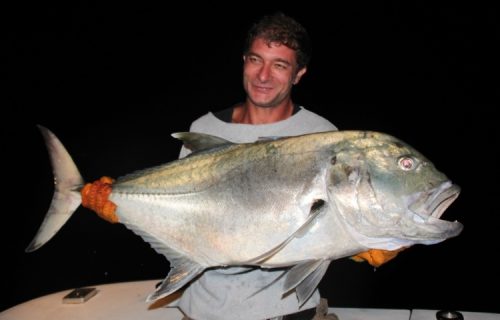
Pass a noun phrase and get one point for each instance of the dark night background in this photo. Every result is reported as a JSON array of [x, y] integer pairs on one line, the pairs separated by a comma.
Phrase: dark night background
[[112, 81]]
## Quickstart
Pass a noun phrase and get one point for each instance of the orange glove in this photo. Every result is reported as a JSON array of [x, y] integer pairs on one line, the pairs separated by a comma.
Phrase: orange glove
[[376, 257], [95, 197]]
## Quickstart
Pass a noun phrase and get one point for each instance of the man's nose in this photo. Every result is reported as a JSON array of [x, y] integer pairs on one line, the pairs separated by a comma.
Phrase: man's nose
[[264, 73]]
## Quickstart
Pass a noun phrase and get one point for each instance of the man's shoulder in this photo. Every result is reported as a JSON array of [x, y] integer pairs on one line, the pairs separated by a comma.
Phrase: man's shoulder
[[207, 119], [311, 114], [313, 118]]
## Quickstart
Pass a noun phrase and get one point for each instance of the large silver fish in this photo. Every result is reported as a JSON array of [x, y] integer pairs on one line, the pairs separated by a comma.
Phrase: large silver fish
[[296, 201]]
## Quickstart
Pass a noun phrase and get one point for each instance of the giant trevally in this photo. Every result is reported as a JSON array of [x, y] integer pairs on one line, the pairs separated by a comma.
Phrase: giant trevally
[[298, 201]]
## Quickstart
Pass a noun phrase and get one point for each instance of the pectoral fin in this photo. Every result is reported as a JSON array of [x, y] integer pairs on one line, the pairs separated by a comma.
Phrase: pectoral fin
[[305, 277], [316, 208]]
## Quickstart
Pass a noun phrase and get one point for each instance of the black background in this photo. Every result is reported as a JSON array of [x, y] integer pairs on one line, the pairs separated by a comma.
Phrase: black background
[[112, 81]]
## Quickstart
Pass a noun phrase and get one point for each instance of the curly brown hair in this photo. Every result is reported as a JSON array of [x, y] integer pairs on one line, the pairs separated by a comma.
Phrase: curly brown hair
[[285, 30]]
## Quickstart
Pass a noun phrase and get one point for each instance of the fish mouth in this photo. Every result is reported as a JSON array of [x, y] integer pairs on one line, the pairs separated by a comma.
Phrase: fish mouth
[[428, 208], [435, 202], [443, 199]]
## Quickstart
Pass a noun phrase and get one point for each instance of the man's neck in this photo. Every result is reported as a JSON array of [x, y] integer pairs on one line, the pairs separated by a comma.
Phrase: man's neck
[[249, 113]]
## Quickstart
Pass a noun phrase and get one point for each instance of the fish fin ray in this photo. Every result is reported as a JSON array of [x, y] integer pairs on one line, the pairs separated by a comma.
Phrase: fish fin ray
[[182, 269], [305, 277], [316, 209], [306, 288], [271, 138], [182, 272], [298, 273], [197, 142]]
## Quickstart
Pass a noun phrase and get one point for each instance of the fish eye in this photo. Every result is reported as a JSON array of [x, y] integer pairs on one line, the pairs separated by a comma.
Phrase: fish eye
[[406, 163]]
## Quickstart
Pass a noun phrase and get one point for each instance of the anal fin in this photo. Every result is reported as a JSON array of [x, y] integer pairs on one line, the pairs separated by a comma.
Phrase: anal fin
[[183, 272], [182, 269]]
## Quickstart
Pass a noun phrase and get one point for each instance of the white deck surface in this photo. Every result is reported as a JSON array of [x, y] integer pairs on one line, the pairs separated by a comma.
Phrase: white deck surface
[[418, 314], [127, 301]]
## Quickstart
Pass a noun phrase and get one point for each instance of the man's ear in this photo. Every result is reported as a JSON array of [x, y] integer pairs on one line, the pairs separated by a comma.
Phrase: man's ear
[[299, 75]]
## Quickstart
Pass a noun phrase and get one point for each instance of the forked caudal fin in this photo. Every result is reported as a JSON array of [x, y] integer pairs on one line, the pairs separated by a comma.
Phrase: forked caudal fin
[[66, 198]]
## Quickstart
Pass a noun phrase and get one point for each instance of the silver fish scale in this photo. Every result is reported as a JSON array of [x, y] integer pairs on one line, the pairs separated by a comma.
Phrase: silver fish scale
[[242, 209]]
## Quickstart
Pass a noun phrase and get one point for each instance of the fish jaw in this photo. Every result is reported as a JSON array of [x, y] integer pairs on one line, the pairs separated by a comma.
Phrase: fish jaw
[[428, 208], [434, 202], [420, 224]]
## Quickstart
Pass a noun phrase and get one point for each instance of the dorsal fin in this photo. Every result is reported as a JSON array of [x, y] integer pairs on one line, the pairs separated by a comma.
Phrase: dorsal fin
[[196, 142], [271, 138]]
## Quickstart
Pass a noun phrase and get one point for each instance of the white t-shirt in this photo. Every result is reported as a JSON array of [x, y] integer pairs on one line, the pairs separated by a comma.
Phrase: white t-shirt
[[246, 293]]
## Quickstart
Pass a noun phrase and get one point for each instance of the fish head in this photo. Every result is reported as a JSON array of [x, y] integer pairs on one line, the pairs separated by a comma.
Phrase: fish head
[[388, 194]]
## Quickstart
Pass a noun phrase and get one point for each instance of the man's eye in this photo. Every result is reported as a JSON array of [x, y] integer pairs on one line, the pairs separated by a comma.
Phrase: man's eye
[[253, 59]]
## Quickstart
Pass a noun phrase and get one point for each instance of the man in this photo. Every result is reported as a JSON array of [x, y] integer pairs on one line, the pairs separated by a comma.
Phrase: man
[[276, 54]]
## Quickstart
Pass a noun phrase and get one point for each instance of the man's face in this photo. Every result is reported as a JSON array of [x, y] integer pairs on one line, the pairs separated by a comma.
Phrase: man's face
[[269, 72]]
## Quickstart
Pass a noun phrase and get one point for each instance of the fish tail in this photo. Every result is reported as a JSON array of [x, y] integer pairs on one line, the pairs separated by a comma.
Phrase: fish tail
[[66, 198]]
